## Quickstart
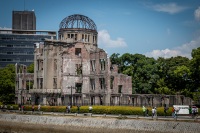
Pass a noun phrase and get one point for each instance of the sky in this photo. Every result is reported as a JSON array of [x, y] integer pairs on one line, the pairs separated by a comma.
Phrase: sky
[[155, 28]]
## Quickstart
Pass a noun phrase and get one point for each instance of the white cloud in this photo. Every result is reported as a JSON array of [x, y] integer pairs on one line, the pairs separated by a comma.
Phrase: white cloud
[[5, 32], [171, 8], [105, 40], [197, 14], [5, 28], [183, 50]]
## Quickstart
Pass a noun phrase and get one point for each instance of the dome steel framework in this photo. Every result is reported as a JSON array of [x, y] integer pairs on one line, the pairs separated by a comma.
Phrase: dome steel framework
[[78, 21]]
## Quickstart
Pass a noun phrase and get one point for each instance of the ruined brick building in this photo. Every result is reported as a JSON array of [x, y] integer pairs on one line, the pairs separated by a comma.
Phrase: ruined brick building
[[73, 70]]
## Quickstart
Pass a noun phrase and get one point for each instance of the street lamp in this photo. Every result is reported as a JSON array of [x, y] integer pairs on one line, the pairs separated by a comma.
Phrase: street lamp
[[70, 87]]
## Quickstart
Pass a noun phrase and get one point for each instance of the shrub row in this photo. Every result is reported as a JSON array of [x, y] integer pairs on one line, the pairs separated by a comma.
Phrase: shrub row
[[124, 110]]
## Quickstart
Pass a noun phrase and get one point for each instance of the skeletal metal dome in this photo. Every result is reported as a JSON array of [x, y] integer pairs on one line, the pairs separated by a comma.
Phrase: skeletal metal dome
[[78, 21]]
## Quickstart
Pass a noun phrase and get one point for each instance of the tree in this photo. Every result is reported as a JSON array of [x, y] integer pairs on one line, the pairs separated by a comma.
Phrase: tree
[[7, 83], [181, 74], [115, 59], [195, 73], [170, 68], [161, 76], [142, 69], [162, 87], [30, 68]]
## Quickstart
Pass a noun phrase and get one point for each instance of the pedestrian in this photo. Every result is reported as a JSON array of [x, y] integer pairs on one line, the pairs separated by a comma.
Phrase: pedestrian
[[19, 107], [147, 112], [78, 109], [153, 112], [90, 109], [68, 108], [144, 110], [165, 110], [190, 111], [194, 111], [39, 106], [33, 108], [176, 109], [173, 112]]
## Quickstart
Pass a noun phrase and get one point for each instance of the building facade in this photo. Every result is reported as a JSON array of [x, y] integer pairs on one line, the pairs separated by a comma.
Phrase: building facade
[[23, 20], [73, 70], [17, 46]]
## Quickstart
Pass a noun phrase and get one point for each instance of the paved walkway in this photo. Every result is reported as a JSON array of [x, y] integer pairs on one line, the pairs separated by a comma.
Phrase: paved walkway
[[167, 118]]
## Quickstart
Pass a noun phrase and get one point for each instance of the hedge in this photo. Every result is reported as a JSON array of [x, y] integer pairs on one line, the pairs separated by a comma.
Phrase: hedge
[[124, 110]]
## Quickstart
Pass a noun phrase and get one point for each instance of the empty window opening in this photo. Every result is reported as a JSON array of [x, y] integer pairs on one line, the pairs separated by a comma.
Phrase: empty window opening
[[39, 83], [78, 69], [78, 87], [68, 36], [119, 88], [102, 64], [54, 83], [29, 84], [88, 38], [111, 82], [38, 64], [102, 83], [78, 51], [75, 37], [94, 39], [82, 37], [92, 83], [92, 63], [72, 35]]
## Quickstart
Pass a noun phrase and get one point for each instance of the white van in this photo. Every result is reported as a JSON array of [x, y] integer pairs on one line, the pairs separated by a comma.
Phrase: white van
[[182, 109]]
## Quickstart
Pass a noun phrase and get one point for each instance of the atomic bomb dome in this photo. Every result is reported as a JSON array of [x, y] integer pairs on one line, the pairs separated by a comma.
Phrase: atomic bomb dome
[[78, 21], [78, 28], [74, 70]]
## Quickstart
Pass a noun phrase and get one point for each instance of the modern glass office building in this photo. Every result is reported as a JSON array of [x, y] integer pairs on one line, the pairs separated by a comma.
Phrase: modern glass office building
[[16, 46], [23, 20]]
